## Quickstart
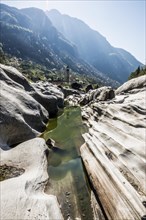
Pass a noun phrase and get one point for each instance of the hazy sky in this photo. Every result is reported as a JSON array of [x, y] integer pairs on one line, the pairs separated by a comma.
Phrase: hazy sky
[[122, 22]]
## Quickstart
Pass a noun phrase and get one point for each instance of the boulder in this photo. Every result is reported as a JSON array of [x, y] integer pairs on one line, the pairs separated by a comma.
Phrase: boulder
[[25, 107], [48, 89], [136, 83], [49, 102], [21, 116], [88, 88], [100, 94], [23, 197], [76, 86], [51, 143], [13, 77], [72, 100], [67, 92], [47, 94]]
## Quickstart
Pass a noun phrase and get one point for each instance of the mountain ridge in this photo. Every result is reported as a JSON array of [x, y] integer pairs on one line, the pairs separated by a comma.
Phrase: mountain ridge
[[45, 46], [33, 36], [94, 48]]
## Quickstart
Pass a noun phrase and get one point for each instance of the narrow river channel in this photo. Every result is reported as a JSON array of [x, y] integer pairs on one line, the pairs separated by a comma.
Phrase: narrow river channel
[[67, 179]]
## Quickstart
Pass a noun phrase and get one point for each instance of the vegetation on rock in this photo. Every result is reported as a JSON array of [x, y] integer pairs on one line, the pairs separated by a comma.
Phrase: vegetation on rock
[[7, 172], [138, 72]]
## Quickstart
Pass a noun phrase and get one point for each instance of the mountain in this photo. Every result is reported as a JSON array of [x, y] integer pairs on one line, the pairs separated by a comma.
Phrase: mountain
[[94, 48], [28, 38], [30, 35]]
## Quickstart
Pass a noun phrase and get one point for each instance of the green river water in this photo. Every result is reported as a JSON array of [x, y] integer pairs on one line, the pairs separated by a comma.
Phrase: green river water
[[67, 179]]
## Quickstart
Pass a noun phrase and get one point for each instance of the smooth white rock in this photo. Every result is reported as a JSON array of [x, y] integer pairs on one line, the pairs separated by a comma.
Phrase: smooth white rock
[[23, 197]]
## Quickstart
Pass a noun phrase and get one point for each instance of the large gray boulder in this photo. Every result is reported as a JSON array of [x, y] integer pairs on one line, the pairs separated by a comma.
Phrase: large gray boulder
[[25, 107], [100, 94], [133, 84], [23, 197], [13, 77], [21, 116], [49, 96]]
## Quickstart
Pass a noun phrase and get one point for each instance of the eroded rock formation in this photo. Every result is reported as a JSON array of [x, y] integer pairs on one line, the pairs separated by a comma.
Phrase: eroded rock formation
[[114, 151], [23, 197], [25, 110], [25, 107], [100, 94]]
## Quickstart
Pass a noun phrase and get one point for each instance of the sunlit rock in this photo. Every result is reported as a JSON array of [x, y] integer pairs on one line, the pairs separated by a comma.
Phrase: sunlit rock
[[114, 151], [100, 94], [23, 197], [25, 107]]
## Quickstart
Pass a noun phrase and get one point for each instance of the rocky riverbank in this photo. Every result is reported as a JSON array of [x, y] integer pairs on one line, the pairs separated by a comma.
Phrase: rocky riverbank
[[25, 110], [113, 152], [25, 107], [23, 197]]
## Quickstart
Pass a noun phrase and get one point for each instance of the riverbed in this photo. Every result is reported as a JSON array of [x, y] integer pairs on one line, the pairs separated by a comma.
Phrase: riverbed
[[67, 177]]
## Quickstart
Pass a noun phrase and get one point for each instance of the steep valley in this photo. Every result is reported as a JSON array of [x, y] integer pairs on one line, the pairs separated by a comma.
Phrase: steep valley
[[64, 169], [53, 41], [72, 121]]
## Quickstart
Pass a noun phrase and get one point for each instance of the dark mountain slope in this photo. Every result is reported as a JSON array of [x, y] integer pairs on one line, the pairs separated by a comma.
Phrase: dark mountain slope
[[94, 48], [30, 35], [42, 26], [28, 39]]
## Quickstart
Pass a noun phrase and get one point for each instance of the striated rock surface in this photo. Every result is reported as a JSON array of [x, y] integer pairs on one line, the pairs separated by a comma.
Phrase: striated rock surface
[[138, 83], [100, 94], [23, 197], [21, 116], [49, 96], [114, 151], [24, 107]]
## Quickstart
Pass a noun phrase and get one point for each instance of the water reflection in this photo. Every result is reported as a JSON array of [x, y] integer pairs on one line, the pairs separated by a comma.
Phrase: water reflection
[[65, 166]]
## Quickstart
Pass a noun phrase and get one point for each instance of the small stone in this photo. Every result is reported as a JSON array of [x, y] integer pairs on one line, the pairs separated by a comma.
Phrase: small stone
[[50, 142], [144, 203], [67, 193]]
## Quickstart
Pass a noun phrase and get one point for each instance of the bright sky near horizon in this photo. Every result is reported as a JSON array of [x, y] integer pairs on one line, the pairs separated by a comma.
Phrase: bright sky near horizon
[[122, 22]]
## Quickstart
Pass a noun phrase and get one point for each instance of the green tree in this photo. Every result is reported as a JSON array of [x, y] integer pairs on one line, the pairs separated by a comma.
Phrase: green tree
[[138, 71], [2, 55]]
